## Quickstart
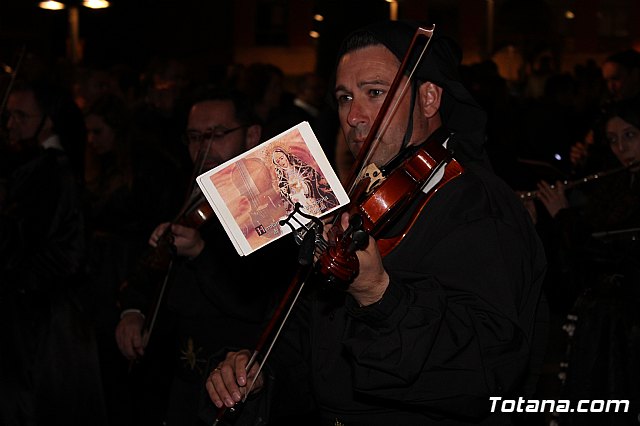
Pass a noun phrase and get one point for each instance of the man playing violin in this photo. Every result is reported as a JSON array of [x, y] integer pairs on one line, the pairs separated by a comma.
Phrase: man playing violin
[[213, 296], [452, 316]]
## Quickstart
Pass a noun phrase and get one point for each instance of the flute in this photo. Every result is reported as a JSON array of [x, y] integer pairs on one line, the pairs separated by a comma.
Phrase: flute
[[530, 195]]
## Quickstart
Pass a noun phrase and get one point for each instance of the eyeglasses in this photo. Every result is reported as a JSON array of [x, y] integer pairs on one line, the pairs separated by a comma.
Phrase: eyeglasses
[[218, 132], [20, 116]]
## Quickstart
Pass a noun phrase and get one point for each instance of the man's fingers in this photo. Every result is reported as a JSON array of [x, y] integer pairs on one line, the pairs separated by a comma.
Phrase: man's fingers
[[129, 341], [222, 387], [231, 380], [215, 388], [240, 366]]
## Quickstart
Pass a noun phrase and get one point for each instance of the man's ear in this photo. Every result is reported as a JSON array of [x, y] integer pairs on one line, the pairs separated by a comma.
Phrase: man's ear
[[253, 135], [430, 96]]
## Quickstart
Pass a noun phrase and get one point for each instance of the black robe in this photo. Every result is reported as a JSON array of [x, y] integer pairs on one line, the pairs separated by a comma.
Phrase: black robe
[[459, 322], [462, 320], [48, 362], [603, 344], [216, 299]]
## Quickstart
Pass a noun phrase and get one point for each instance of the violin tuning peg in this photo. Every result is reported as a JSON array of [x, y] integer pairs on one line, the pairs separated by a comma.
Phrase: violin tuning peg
[[359, 240], [356, 221]]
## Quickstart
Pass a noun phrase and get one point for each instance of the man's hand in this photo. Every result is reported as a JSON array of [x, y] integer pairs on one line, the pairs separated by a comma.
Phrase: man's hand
[[530, 205], [580, 151], [229, 382], [187, 241], [129, 335], [553, 197], [372, 279]]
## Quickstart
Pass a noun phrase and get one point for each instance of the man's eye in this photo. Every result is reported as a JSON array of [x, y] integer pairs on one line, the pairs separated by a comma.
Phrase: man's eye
[[343, 99], [376, 93]]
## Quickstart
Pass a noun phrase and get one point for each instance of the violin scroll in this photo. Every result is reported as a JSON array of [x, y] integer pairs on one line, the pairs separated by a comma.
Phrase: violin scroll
[[197, 216], [158, 258], [339, 263]]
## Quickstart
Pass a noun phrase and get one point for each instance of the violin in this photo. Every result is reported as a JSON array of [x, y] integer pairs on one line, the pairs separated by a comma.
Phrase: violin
[[155, 265], [159, 257], [379, 197], [380, 203]]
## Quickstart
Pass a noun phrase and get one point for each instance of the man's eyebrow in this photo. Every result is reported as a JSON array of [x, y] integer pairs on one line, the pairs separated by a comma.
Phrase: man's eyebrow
[[340, 88], [361, 84], [376, 81]]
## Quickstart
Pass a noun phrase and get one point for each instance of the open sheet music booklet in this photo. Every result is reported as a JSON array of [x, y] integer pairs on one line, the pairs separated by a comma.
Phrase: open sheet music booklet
[[251, 193]]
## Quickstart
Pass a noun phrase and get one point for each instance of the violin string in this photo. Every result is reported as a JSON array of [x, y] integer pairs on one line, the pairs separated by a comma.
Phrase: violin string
[[190, 197]]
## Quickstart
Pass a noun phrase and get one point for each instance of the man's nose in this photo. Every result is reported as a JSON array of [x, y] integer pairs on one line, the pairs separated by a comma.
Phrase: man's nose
[[11, 122], [357, 115], [622, 145]]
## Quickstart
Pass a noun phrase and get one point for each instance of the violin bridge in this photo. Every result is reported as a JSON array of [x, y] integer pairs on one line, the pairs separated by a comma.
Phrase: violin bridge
[[373, 173]]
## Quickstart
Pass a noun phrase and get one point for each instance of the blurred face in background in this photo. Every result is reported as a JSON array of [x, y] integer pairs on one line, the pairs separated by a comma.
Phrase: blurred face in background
[[25, 118], [214, 135], [622, 83], [273, 92], [100, 136], [624, 140]]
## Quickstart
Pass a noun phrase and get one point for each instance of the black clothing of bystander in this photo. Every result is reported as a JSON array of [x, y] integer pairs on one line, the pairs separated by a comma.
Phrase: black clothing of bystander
[[208, 307], [597, 241], [129, 187], [49, 371], [219, 298]]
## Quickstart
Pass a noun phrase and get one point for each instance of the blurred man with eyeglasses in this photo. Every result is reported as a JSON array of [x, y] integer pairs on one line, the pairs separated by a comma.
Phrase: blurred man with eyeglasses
[[49, 371], [205, 301]]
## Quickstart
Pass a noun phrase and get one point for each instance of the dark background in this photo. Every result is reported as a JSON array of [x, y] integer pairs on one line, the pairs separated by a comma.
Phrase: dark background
[[210, 32]]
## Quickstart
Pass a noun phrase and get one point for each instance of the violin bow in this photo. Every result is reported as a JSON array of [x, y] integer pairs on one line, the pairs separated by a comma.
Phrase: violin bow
[[383, 119], [189, 200], [14, 74]]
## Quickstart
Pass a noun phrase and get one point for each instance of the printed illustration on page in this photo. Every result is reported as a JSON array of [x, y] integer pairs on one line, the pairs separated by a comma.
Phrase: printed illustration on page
[[254, 191]]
